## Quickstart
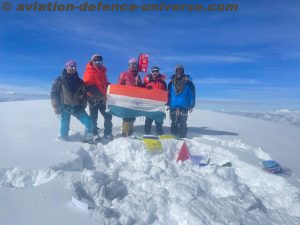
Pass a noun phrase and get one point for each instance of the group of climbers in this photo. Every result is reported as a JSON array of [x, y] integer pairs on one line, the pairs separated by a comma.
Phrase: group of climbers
[[70, 96]]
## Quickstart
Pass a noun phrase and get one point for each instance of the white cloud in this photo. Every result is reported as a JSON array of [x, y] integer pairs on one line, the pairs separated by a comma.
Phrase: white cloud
[[198, 58], [224, 81], [292, 54], [216, 101], [9, 89]]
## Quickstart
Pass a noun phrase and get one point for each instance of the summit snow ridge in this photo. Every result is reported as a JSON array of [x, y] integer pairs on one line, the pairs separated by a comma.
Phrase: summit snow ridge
[[123, 183]]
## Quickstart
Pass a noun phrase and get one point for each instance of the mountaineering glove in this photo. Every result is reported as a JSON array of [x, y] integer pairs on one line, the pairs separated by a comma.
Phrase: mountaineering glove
[[56, 111]]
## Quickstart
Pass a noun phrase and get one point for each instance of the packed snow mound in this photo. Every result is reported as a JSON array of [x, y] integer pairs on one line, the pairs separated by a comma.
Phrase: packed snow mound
[[19, 177], [124, 183], [283, 115]]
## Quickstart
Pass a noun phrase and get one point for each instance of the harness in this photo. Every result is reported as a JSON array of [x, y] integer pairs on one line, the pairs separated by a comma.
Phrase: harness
[[93, 101], [178, 113], [71, 110]]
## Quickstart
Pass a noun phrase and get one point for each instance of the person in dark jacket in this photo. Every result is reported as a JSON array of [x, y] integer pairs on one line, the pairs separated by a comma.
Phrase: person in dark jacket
[[155, 80], [69, 97], [96, 83], [181, 100]]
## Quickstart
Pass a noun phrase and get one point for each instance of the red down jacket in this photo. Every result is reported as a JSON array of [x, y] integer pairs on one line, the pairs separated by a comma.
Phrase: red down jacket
[[95, 77], [130, 78], [158, 83]]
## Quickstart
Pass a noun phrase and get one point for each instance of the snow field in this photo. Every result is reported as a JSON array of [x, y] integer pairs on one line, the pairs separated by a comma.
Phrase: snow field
[[123, 183]]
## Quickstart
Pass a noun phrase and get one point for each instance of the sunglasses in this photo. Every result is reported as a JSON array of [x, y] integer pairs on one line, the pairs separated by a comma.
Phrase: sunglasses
[[99, 62], [155, 71], [132, 65], [72, 67]]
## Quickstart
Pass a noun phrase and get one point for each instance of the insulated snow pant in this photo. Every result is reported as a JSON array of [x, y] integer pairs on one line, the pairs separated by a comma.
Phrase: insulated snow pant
[[148, 126], [82, 116], [178, 122], [127, 126], [107, 118]]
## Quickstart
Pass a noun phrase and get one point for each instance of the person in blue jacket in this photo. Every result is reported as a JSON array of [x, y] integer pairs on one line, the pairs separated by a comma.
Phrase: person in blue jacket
[[181, 100]]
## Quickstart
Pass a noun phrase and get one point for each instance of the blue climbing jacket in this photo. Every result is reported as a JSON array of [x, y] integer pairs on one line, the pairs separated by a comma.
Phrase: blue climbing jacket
[[184, 95]]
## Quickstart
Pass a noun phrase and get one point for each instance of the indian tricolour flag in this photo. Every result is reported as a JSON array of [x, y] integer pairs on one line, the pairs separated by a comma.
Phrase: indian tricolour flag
[[128, 102]]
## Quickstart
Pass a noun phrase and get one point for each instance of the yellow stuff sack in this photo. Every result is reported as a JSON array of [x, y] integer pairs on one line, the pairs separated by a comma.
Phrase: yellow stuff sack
[[165, 136], [152, 144]]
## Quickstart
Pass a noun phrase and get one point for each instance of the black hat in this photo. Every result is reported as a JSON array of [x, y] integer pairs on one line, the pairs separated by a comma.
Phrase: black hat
[[155, 69], [179, 66], [96, 57]]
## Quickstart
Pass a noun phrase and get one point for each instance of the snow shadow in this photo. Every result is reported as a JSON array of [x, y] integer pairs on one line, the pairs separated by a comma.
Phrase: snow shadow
[[192, 131], [258, 205], [196, 131], [96, 189], [78, 161], [87, 161], [76, 137]]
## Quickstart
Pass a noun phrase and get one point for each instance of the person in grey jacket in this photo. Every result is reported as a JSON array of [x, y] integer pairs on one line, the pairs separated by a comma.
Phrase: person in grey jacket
[[69, 97]]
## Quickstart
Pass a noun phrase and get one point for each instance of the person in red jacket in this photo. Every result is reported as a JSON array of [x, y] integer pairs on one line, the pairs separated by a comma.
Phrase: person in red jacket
[[130, 78], [155, 80], [96, 82]]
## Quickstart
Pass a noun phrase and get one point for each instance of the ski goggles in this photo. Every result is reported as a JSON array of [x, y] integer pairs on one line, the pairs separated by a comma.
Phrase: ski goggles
[[155, 71]]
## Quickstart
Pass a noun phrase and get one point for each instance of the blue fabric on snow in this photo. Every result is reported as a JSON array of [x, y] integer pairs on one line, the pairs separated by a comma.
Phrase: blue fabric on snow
[[271, 166]]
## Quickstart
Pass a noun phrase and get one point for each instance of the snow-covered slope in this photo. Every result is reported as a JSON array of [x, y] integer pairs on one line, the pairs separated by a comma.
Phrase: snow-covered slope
[[123, 183]]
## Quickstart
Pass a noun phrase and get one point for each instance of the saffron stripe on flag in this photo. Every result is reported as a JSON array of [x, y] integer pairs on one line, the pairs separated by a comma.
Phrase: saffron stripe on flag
[[138, 92]]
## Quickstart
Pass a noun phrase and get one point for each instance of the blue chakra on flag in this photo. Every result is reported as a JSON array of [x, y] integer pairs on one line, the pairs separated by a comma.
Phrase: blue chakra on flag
[[137, 103]]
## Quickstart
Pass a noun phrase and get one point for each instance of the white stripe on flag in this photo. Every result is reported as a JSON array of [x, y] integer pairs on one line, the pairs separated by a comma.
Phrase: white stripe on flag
[[142, 104]]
